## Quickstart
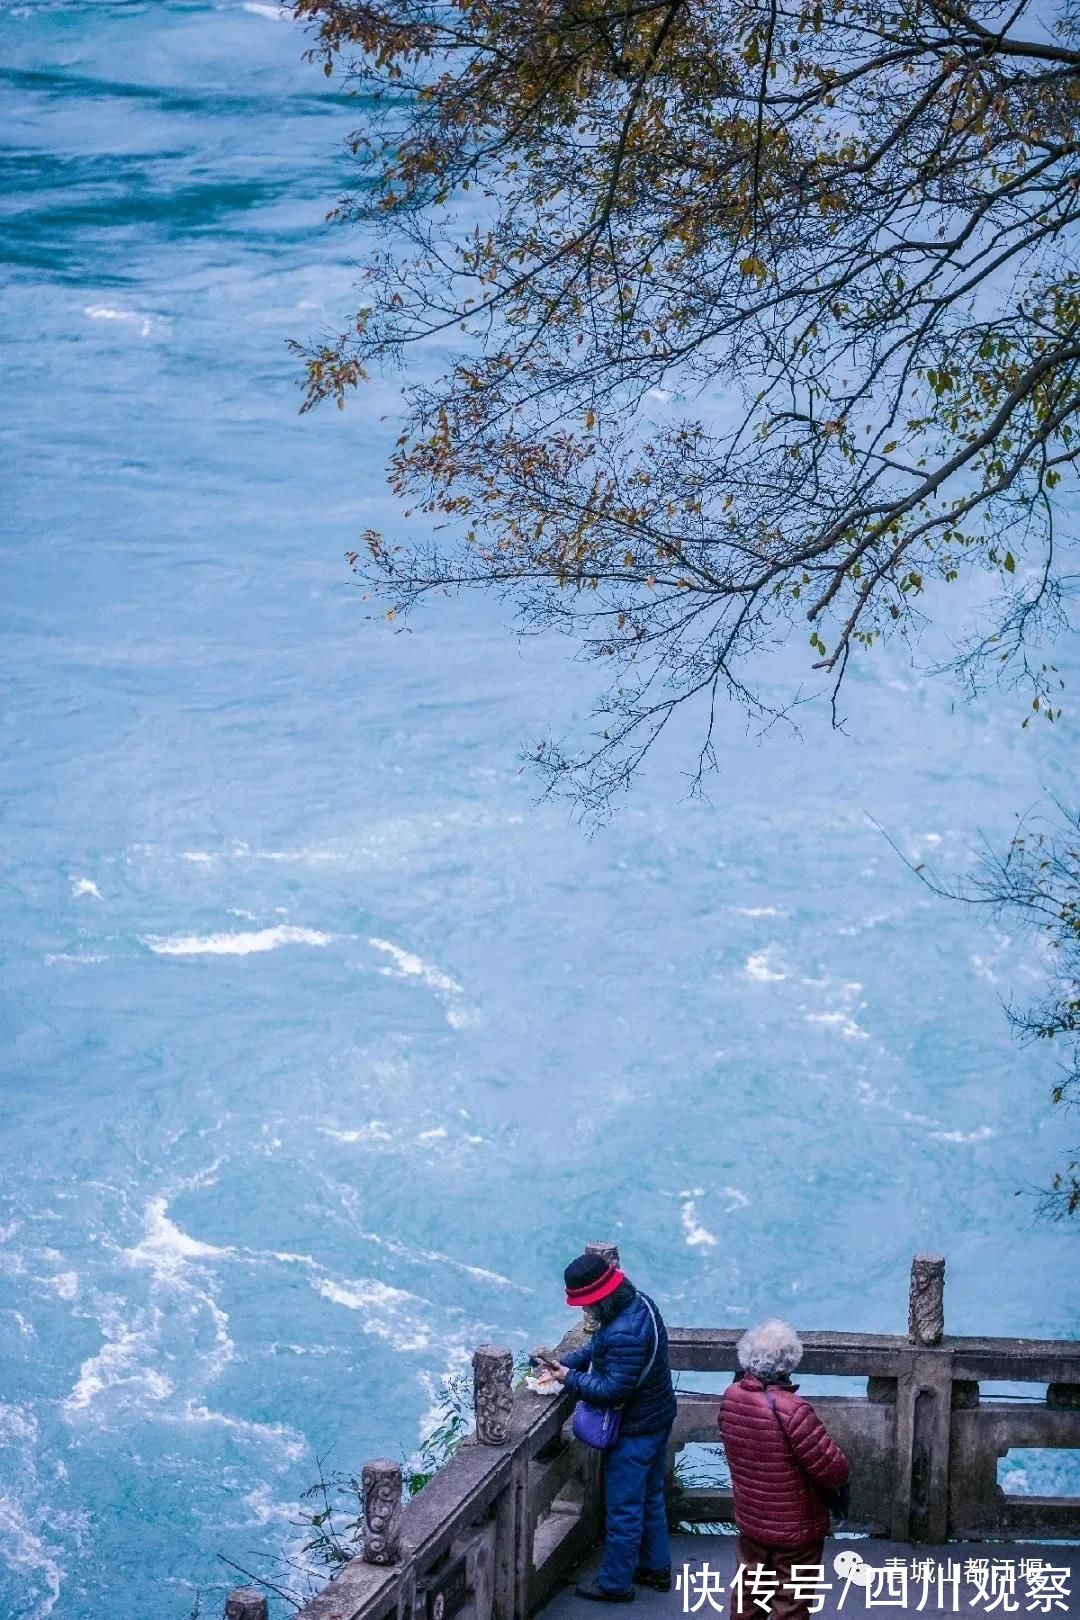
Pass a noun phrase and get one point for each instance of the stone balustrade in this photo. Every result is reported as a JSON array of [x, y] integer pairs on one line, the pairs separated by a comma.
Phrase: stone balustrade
[[500, 1527]]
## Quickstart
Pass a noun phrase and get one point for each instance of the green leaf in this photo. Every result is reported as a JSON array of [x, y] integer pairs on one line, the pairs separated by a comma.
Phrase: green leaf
[[1009, 564]]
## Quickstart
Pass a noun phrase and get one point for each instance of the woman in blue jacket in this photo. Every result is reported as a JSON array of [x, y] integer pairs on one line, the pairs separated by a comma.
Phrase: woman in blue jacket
[[625, 1364]]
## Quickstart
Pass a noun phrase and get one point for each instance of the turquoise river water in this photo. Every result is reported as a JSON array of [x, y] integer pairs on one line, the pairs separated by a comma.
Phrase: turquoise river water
[[323, 1046]]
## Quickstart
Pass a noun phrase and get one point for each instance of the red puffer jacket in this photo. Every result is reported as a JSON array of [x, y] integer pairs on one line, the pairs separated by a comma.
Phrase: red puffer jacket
[[775, 1502]]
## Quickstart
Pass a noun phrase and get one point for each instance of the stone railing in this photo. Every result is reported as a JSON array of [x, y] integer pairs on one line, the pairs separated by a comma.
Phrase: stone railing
[[500, 1527], [923, 1444], [494, 1533]]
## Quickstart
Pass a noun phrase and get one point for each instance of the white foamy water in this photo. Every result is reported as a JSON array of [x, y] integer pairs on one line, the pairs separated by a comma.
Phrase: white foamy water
[[841, 1022], [435, 1257], [408, 966], [81, 886], [696, 1235], [870, 1097], [262, 1507], [375, 1131], [65, 1284], [761, 967], [287, 857], [28, 1552], [401, 1319], [29, 1557], [146, 325], [250, 943], [289, 1442], [166, 1248], [275, 857], [124, 1364], [17, 1424], [133, 1370]]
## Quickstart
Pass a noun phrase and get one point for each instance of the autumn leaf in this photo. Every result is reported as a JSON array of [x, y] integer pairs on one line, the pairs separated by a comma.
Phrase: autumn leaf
[[753, 266]]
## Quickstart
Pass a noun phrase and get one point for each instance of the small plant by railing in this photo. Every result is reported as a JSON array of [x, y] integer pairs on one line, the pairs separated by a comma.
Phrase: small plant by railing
[[331, 1511], [335, 1517], [455, 1420], [332, 1543], [690, 1476]]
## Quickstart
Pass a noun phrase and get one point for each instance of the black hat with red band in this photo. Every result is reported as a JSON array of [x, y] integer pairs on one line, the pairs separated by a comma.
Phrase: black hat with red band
[[590, 1278]]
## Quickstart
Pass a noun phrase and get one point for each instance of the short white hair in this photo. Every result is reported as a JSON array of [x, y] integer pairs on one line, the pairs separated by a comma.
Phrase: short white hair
[[770, 1351]]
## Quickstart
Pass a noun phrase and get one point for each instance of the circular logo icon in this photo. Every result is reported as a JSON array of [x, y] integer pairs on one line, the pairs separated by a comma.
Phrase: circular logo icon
[[850, 1567]]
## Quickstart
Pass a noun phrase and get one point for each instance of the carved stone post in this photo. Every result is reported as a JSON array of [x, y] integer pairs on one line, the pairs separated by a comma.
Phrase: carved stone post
[[245, 1603], [923, 1412], [606, 1251], [381, 1485], [493, 1395], [926, 1299]]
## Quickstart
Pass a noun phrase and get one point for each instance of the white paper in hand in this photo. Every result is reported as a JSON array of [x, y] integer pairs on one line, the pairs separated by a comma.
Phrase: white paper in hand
[[542, 1383]]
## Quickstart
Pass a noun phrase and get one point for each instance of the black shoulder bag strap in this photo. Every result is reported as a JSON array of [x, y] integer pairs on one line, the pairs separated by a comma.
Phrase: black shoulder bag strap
[[836, 1500]]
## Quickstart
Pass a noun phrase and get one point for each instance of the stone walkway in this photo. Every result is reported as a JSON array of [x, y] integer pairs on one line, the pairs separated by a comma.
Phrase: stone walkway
[[704, 1567]]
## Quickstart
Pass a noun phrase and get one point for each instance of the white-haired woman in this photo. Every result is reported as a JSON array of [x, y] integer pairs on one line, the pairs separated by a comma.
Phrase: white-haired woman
[[783, 1463]]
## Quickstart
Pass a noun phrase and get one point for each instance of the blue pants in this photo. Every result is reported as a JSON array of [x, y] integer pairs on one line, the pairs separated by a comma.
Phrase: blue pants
[[636, 1532]]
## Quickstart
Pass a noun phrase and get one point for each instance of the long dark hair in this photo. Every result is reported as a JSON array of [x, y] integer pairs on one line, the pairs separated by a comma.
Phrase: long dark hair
[[611, 1307]]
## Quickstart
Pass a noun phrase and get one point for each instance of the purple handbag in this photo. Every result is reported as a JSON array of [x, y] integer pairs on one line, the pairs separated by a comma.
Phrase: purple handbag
[[597, 1426], [600, 1426]]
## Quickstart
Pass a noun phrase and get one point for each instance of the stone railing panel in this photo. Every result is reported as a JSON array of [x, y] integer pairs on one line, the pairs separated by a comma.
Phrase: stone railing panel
[[498, 1529], [865, 1432], [981, 1436], [924, 1462]]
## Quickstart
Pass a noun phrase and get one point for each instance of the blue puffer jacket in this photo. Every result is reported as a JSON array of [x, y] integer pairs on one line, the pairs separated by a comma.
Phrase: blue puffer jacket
[[607, 1369]]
